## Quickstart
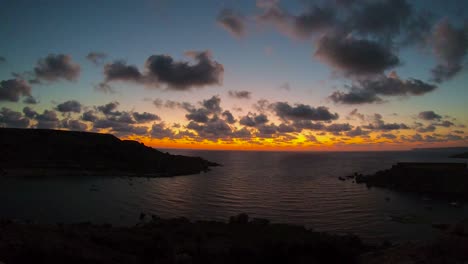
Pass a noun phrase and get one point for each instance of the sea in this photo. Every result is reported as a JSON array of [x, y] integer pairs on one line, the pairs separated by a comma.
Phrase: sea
[[285, 187]]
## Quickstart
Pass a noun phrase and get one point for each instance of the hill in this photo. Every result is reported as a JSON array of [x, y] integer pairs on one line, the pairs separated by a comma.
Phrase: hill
[[35, 152]]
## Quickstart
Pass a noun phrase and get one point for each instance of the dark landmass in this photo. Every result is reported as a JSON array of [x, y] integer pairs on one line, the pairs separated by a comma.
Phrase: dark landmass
[[175, 241], [461, 156], [438, 179], [41, 152], [444, 148], [241, 240]]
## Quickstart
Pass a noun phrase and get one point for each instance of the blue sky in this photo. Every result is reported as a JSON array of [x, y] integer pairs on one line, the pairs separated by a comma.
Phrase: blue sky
[[263, 60]]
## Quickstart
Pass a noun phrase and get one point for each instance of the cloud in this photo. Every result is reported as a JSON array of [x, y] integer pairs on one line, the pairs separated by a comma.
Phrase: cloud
[[9, 118], [75, 125], [338, 128], [212, 104], [69, 106], [314, 20], [159, 130], [355, 114], [228, 117], [163, 70], [240, 94], [381, 18], [303, 112], [450, 45], [30, 100], [120, 71], [108, 109], [253, 120], [358, 131], [2, 59], [429, 128], [429, 115], [104, 88], [379, 124], [96, 57], [89, 116], [355, 56], [55, 67], [178, 75], [232, 22], [29, 112], [48, 120], [369, 91], [145, 117], [11, 90]]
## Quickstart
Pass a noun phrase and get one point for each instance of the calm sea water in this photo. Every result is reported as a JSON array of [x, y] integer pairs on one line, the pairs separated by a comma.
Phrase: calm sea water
[[289, 187]]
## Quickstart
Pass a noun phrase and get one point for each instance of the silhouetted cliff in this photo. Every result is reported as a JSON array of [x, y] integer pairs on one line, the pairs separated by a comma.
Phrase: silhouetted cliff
[[446, 179], [461, 155], [54, 152]]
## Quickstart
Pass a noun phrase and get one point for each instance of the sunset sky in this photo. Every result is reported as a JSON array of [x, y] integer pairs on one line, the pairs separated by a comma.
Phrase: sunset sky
[[263, 75]]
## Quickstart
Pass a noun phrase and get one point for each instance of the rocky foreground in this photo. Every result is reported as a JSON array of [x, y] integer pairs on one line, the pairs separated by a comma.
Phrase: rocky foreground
[[175, 241], [43, 152], [241, 240]]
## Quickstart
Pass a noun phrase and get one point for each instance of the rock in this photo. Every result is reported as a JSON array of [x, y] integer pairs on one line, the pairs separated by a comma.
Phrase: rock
[[242, 218]]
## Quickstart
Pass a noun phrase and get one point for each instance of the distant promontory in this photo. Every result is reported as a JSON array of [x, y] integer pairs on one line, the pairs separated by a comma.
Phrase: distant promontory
[[43, 152]]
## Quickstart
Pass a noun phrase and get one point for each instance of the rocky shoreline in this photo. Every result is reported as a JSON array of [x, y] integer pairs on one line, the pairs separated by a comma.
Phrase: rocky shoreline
[[240, 240], [445, 180]]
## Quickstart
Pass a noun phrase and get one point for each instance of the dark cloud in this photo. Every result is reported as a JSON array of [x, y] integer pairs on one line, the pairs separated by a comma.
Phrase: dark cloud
[[96, 57], [450, 45], [11, 90], [369, 91], [48, 119], [314, 20], [355, 56], [228, 117], [445, 123], [429, 128], [253, 120], [303, 112], [178, 75], [109, 109], [358, 131], [381, 18], [388, 136], [89, 116], [55, 67], [214, 129], [379, 124], [75, 125], [355, 96], [145, 117], [198, 115], [120, 71], [30, 100], [160, 131], [232, 22], [240, 94], [212, 104], [429, 115], [29, 112], [2, 59], [69, 106], [338, 128], [162, 69], [9, 118]]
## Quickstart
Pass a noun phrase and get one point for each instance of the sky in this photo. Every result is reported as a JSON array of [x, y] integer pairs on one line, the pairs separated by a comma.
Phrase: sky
[[245, 75]]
